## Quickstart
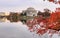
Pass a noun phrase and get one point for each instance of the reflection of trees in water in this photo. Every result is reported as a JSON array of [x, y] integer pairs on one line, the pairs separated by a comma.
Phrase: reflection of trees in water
[[13, 17]]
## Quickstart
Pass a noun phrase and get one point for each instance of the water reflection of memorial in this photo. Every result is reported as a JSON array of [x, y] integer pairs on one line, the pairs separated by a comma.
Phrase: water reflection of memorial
[[26, 15], [15, 17]]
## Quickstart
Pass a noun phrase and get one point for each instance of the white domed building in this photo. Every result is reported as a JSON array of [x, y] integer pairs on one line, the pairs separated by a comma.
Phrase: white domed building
[[31, 11]]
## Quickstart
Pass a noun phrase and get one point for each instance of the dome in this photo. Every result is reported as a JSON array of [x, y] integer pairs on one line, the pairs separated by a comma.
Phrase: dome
[[30, 9]]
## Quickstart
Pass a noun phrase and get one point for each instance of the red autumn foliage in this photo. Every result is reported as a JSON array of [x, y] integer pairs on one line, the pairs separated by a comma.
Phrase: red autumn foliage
[[55, 20], [51, 0], [55, 1], [41, 26]]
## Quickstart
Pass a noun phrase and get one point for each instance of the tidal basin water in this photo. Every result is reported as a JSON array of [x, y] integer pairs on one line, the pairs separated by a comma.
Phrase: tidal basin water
[[18, 30]]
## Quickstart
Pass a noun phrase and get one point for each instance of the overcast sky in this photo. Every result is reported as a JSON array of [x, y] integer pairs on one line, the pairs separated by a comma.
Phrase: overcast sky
[[18, 5]]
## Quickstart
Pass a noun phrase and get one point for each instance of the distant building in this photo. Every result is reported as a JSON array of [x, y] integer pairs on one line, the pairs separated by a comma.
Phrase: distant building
[[28, 14], [30, 11]]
